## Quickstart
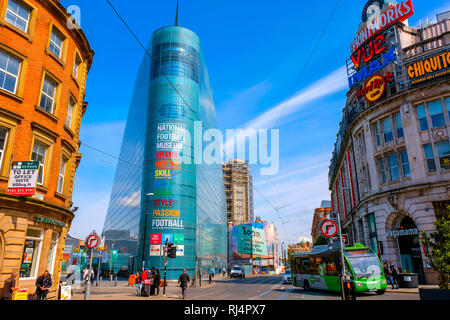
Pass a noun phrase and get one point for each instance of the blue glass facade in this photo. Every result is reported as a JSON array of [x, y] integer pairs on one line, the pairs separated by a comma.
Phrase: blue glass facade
[[188, 206]]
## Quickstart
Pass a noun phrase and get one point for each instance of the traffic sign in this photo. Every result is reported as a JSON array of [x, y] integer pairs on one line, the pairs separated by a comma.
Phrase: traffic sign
[[92, 241], [328, 228]]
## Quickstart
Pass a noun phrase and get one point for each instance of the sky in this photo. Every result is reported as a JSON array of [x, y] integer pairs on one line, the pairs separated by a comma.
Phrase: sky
[[272, 65]]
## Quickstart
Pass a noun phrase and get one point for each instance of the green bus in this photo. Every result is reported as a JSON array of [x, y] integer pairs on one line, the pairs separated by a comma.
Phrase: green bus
[[320, 269]]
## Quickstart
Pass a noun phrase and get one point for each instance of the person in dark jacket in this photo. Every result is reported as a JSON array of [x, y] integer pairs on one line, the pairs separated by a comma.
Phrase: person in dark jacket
[[394, 275], [43, 285], [9, 287], [157, 281], [183, 281], [138, 283]]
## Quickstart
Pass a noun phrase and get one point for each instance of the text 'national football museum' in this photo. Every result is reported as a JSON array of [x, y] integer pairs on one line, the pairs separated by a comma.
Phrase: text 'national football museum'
[[160, 193]]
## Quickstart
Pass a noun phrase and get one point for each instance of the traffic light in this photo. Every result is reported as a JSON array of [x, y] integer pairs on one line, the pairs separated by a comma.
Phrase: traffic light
[[171, 251]]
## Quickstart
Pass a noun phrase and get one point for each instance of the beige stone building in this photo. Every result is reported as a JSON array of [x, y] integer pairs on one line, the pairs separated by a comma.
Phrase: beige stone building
[[239, 191], [390, 170]]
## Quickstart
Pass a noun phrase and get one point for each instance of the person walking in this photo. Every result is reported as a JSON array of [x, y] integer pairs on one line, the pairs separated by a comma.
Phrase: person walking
[[388, 274], [152, 278], [224, 270], [138, 283], [157, 281], [43, 285], [394, 271], [183, 282], [9, 287]]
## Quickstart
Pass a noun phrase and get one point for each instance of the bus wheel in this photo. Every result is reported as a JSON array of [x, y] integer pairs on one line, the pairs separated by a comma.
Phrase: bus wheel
[[306, 286], [379, 292]]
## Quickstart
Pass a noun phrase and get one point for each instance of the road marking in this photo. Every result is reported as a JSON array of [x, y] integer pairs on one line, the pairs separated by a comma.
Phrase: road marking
[[265, 292]]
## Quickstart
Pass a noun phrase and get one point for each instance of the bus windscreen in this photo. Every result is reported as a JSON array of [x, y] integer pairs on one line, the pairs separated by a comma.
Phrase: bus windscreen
[[365, 263]]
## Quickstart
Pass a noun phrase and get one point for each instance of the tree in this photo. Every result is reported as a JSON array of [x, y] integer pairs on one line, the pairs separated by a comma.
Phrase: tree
[[437, 247]]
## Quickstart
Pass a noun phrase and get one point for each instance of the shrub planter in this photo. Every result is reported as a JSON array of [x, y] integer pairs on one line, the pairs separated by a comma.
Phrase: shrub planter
[[434, 294], [408, 280]]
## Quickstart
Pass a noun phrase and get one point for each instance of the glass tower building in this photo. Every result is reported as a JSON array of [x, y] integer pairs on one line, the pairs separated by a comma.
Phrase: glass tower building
[[162, 190]]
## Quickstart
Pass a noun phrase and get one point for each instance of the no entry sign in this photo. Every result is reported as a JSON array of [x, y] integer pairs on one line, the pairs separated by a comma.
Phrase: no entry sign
[[92, 241], [328, 228]]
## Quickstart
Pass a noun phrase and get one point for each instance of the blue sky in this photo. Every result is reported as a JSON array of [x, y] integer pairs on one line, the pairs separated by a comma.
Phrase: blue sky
[[255, 52]]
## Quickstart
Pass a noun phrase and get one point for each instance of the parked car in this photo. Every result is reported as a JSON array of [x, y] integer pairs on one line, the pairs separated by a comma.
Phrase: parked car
[[237, 272], [287, 276]]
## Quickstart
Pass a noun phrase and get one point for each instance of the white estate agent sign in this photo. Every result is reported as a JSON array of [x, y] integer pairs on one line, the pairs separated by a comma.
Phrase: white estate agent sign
[[23, 177]]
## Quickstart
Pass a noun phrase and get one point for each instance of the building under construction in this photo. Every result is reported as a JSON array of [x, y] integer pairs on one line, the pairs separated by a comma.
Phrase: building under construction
[[239, 191]]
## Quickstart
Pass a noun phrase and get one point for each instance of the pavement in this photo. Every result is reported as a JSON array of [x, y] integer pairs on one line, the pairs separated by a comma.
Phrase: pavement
[[410, 290], [224, 287]]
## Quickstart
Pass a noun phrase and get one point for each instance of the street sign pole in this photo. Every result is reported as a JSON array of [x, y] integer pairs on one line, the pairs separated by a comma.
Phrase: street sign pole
[[87, 291], [342, 257]]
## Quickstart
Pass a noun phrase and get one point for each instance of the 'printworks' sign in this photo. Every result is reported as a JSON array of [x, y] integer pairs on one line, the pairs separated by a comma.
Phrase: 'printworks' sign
[[430, 67]]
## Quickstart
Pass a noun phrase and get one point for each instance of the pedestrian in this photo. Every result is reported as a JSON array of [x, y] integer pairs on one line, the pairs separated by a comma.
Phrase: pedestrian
[[138, 283], [9, 287], [157, 281], [394, 271], [388, 274], [43, 285], [194, 280], [91, 276], [183, 282], [145, 291], [152, 278], [224, 271], [85, 274]]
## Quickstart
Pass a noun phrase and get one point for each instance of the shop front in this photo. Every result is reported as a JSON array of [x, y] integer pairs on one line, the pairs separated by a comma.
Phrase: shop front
[[406, 238]]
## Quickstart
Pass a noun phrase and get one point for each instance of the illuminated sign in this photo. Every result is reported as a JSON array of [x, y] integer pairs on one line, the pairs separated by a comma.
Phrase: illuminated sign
[[375, 47], [382, 21], [374, 87], [362, 252], [371, 69], [429, 68], [155, 238]]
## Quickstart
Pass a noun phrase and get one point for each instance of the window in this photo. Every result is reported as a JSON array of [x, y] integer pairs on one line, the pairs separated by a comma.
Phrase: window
[[405, 164], [69, 113], [76, 67], [398, 124], [48, 95], [443, 150], [17, 15], [56, 43], [429, 156], [447, 104], [382, 170], [436, 114], [31, 253], [38, 154], [387, 129], [52, 252], [3, 137], [62, 170], [377, 133], [372, 232], [9, 72], [393, 167], [422, 116]]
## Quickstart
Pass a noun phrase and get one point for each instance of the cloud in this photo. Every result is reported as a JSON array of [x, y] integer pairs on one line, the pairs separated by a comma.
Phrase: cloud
[[133, 200], [332, 83]]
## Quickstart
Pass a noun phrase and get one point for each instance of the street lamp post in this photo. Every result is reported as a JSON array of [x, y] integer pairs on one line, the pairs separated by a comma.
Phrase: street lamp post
[[145, 228], [342, 250]]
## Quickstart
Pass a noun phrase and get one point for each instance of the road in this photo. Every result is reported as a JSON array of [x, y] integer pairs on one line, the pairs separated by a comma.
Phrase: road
[[271, 288]]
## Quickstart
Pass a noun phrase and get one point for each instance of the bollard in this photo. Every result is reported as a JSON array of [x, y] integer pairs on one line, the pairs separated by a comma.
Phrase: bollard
[[115, 282], [87, 290]]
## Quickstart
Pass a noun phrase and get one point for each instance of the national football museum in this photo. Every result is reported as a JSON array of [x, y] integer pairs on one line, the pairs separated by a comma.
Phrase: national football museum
[[160, 193]]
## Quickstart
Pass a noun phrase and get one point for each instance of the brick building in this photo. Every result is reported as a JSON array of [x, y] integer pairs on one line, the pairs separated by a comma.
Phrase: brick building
[[320, 214], [44, 62]]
